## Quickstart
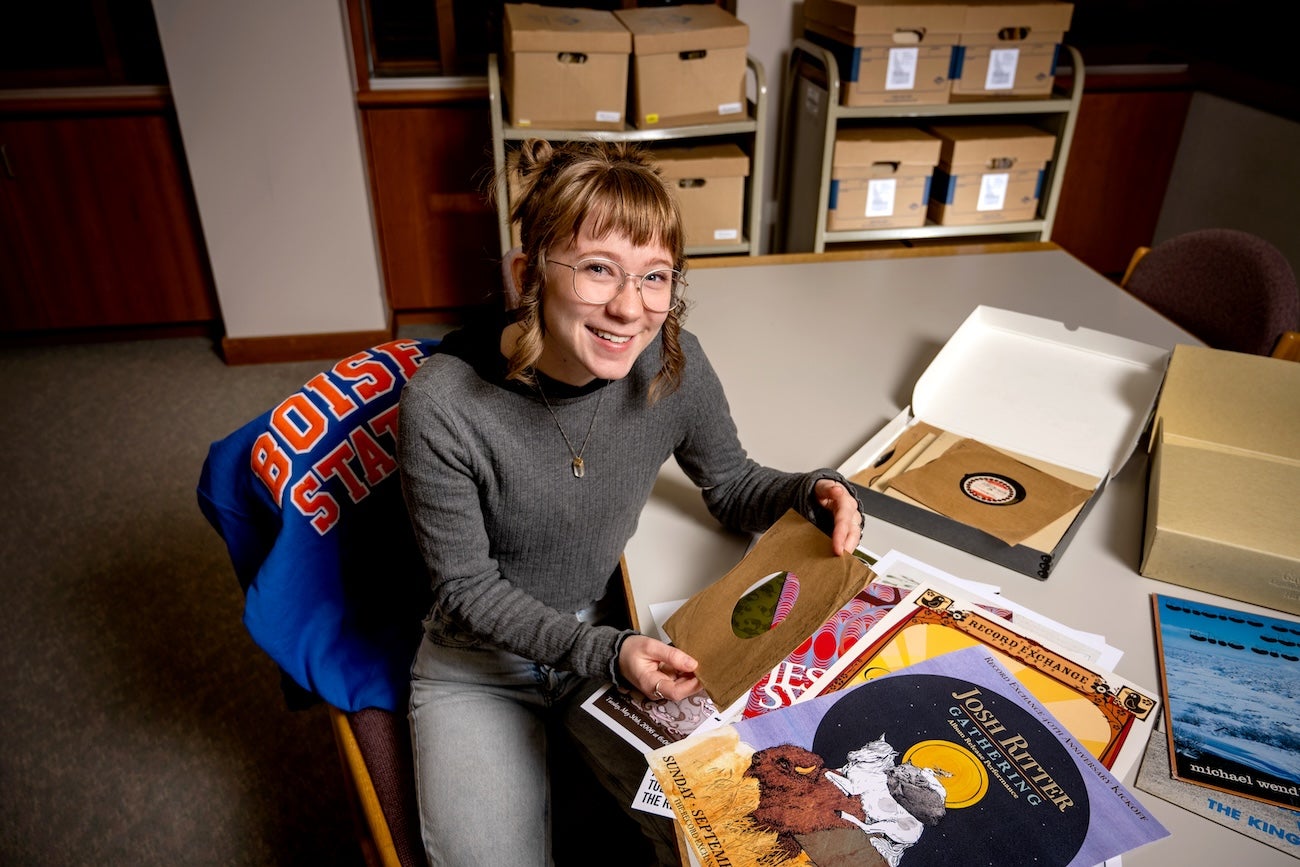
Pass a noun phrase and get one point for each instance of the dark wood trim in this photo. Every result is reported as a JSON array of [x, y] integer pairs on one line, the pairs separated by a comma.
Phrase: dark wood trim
[[91, 99], [442, 316], [947, 249], [357, 46], [298, 347], [108, 334], [432, 96]]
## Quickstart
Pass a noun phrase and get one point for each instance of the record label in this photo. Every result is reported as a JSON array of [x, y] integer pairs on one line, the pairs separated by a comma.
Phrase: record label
[[992, 489]]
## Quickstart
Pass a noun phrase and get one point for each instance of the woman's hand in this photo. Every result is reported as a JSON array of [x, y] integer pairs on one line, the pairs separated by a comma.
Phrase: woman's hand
[[846, 535], [658, 670]]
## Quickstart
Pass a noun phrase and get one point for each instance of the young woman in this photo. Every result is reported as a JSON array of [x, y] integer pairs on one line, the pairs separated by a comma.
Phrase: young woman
[[528, 448]]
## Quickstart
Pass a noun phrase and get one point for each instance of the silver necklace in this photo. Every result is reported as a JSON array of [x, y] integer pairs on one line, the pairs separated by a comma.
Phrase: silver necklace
[[579, 468]]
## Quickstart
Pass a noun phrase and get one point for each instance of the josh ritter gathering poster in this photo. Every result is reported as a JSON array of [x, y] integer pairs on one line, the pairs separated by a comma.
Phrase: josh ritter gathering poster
[[948, 761]]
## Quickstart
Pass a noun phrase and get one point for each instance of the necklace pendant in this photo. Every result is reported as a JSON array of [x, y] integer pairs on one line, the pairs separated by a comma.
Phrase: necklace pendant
[[578, 469]]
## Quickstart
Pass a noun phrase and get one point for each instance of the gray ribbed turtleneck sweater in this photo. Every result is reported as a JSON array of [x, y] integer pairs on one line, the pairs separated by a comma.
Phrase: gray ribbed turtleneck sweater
[[514, 543]]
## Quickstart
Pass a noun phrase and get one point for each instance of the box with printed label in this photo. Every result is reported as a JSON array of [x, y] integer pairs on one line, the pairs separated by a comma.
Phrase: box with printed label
[[1047, 405], [888, 52], [1221, 510], [880, 178], [565, 68], [989, 173], [688, 65], [1010, 48], [710, 184]]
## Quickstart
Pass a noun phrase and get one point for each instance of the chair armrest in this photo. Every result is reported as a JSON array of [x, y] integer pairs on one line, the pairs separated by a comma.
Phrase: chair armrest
[[376, 840], [1288, 346], [1132, 264]]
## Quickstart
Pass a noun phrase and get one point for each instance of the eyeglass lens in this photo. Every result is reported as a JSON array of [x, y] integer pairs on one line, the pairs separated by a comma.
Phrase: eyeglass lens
[[597, 281]]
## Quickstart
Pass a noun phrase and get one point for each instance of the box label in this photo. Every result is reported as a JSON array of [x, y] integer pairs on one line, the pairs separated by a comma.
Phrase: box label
[[730, 108], [880, 197], [901, 72], [993, 191], [1002, 69], [609, 116]]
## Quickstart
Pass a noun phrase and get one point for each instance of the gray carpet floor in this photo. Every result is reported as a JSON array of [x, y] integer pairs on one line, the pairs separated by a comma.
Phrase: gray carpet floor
[[141, 725]]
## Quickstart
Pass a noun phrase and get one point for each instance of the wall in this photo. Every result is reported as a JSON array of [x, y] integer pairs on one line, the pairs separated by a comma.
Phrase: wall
[[263, 96], [773, 25], [1236, 168]]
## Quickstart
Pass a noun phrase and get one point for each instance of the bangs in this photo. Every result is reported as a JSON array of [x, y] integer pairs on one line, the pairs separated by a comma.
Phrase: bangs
[[634, 205]]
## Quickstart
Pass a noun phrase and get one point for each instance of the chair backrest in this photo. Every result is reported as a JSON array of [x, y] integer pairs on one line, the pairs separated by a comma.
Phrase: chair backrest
[[1231, 289]]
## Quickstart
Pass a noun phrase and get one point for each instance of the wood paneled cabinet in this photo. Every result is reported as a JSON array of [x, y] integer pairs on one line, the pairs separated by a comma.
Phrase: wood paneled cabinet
[[437, 232], [97, 223], [1125, 143]]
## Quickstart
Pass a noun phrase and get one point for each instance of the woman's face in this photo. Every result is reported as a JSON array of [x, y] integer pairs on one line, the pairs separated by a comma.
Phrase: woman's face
[[589, 341]]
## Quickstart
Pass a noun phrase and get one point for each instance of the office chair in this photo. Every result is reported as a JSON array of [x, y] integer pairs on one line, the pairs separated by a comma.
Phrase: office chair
[[1231, 289], [308, 501]]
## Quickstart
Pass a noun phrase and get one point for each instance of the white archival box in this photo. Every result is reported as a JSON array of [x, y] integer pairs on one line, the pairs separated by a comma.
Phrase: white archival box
[[1076, 398]]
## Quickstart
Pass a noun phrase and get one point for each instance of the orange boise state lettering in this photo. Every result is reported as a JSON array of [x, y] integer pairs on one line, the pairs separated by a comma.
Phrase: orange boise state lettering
[[271, 465], [335, 465], [371, 376], [309, 499], [386, 422], [407, 353], [301, 423], [376, 463], [339, 403]]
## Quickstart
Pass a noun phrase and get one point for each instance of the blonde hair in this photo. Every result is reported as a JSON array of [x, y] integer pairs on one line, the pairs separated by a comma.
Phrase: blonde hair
[[609, 187]]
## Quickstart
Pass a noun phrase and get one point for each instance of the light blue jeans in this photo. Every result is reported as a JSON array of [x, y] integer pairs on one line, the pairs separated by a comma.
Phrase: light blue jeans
[[479, 734]]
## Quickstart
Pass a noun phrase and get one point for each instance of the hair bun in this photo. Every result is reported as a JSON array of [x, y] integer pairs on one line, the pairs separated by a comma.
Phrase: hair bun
[[533, 156]]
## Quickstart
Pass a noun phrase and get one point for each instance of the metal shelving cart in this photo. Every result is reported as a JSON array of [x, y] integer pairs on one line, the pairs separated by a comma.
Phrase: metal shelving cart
[[811, 113]]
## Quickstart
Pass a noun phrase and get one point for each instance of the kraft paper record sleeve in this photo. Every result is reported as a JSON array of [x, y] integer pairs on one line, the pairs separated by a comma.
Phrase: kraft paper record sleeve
[[729, 664], [984, 488]]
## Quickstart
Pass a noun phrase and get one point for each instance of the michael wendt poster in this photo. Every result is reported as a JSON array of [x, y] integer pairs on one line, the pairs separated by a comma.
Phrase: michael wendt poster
[[1232, 698]]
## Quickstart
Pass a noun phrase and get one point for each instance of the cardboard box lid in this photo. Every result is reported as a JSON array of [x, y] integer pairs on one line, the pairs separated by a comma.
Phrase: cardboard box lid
[[683, 28], [886, 16], [1078, 398], [980, 144], [530, 27], [702, 161], [1048, 16], [1231, 401], [867, 145]]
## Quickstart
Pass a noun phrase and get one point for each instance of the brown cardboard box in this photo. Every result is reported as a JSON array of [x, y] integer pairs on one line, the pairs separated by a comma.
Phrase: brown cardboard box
[[1009, 48], [565, 68], [688, 65], [880, 178], [1222, 512], [710, 185], [989, 173], [889, 52]]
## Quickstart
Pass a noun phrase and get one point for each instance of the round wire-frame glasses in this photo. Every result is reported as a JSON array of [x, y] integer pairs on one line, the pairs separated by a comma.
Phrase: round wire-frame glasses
[[598, 281]]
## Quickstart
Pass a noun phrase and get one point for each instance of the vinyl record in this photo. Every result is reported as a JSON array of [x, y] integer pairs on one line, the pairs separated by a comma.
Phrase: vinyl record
[[1004, 780]]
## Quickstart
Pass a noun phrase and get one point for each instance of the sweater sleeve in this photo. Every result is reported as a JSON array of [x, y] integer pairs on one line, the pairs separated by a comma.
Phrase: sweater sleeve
[[741, 493]]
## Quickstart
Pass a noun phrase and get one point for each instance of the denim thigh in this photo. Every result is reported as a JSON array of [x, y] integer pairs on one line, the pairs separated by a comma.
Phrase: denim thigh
[[478, 730]]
